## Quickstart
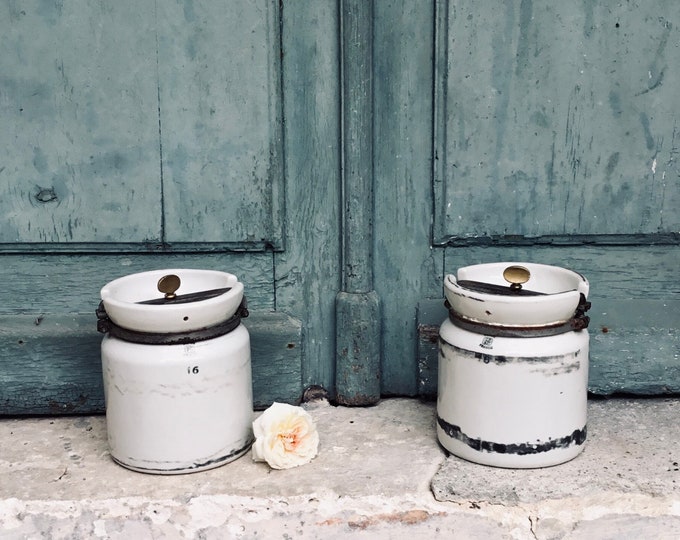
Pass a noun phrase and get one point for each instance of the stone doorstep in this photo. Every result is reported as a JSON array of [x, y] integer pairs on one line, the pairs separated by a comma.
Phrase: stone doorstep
[[380, 473]]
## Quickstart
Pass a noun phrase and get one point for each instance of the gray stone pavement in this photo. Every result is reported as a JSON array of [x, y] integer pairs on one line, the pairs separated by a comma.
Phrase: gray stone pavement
[[380, 473]]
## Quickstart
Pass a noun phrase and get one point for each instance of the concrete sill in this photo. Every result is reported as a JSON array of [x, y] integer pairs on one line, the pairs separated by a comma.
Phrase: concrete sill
[[380, 474]]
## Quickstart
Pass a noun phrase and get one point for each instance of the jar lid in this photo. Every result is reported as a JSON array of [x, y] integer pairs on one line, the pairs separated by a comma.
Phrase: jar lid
[[170, 301], [515, 293]]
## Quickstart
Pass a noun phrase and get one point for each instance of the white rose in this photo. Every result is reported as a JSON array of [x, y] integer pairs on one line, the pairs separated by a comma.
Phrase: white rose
[[285, 437]]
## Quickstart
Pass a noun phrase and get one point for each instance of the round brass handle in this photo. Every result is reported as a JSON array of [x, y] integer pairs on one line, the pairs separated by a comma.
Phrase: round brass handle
[[168, 285], [516, 275]]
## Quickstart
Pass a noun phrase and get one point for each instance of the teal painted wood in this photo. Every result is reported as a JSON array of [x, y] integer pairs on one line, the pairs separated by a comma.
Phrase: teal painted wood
[[431, 314], [558, 119], [166, 133], [63, 284], [220, 121], [79, 116], [635, 314], [357, 144], [358, 319], [548, 161], [636, 347], [307, 273], [406, 268], [126, 207], [49, 347], [277, 348], [99, 145], [357, 357], [51, 365]]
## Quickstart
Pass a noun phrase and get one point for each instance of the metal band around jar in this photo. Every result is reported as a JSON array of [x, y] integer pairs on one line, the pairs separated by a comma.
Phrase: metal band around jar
[[106, 325], [578, 322]]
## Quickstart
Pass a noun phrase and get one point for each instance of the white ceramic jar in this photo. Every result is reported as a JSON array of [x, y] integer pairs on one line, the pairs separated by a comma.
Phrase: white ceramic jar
[[177, 372], [513, 366]]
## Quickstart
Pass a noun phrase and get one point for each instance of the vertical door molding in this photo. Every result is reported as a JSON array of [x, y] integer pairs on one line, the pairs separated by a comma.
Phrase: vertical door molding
[[307, 273], [406, 268], [357, 304]]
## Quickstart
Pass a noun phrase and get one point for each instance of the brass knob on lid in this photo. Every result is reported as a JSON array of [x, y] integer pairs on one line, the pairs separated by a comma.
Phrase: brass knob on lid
[[168, 285], [516, 275]]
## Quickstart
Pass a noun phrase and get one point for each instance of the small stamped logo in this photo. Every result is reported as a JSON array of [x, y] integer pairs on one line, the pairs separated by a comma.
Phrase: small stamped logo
[[487, 343]]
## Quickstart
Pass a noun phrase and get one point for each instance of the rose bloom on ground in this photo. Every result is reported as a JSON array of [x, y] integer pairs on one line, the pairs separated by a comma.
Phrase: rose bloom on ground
[[285, 437]]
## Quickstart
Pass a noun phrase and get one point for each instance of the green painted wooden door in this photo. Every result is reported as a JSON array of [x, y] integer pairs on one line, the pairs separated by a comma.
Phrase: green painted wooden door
[[531, 131], [341, 157], [143, 135]]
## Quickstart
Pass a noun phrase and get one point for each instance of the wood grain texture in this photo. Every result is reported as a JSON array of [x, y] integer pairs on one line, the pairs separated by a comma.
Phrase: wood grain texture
[[558, 119], [62, 284], [220, 105], [140, 125], [431, 314], [357, 349], [79, 113], [357, 145], [406, 268], [358, 317], [219, 185], [307, 273], [186, 133], [51, 365]]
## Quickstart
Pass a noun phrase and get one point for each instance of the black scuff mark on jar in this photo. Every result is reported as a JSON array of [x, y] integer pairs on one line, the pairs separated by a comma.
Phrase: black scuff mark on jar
[[577, 437], [233, 454], [446, 347], [560, 370]]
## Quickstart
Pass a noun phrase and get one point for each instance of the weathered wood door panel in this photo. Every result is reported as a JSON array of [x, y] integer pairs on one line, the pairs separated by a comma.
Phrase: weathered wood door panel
[[157, 127], [78, 95], [152, 137], [407, 268], [335, 146], [562, 119], [551, 136], [220, 94]]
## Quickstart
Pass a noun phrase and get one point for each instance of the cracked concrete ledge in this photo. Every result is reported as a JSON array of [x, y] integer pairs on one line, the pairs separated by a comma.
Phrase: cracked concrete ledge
[[380, 474]]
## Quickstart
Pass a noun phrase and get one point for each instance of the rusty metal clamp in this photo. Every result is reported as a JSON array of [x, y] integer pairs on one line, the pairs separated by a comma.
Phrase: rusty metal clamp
[[579, 321], [106, 326]]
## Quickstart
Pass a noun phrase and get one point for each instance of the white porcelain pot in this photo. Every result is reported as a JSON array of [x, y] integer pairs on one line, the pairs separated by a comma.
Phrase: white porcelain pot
[[184, 403], [514, 395]]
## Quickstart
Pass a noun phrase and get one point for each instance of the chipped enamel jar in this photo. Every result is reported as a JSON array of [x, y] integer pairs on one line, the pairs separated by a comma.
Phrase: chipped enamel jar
[[176, 369], [513, 365]]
